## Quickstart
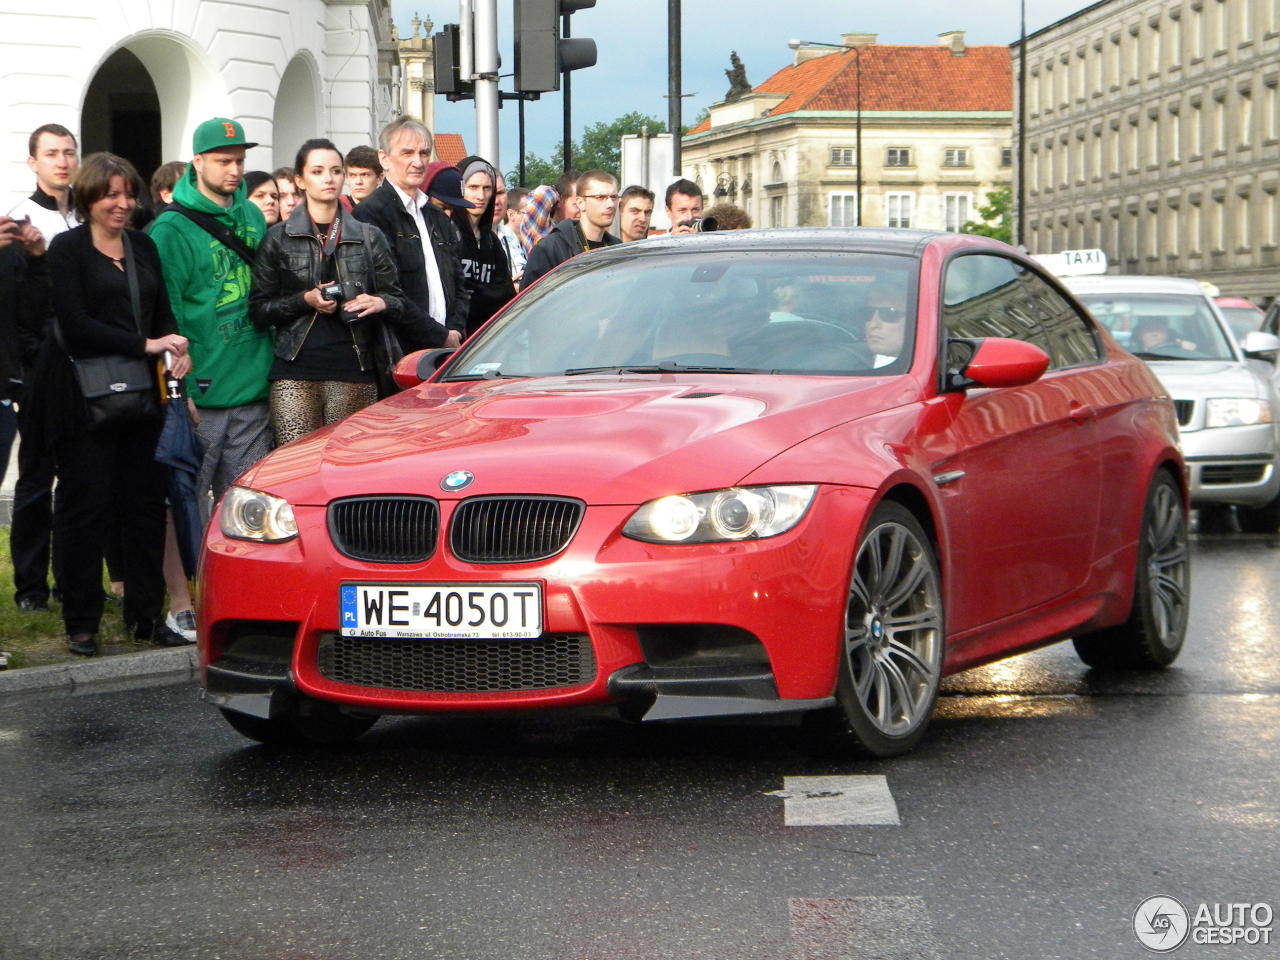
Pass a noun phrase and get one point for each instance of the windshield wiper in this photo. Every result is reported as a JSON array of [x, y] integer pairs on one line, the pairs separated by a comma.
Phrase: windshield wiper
[[487, 375], [1148, 355], [664, 366]]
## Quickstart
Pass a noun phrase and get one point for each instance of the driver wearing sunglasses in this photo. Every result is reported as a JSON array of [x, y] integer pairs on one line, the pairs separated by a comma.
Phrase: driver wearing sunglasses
[[885, 327]]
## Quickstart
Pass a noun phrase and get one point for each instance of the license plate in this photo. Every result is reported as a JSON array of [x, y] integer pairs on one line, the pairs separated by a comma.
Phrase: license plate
[[442, 611]]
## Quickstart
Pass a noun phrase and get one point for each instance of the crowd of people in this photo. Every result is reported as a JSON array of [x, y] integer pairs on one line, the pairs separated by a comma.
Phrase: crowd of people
[[280, 299]]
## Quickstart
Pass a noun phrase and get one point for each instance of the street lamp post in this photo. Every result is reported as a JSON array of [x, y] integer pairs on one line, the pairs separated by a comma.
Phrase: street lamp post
[[857, 73], [674, 106], [857, 96], [1021, 220]]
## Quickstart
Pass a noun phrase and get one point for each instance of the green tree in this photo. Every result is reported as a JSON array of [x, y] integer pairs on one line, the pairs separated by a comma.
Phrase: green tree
[[538, 170], [997, 216], [599, 148]]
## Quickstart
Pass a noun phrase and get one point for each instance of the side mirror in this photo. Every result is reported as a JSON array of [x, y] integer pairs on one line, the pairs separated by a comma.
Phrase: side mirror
[[419, 366], [997, 362], [1260, 345]]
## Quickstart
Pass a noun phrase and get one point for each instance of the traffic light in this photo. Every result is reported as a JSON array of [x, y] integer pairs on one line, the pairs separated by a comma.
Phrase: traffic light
[[446, 57], [541, 54]]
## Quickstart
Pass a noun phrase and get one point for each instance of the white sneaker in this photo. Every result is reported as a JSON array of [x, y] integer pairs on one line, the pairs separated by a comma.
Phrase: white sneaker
[[183, 622]]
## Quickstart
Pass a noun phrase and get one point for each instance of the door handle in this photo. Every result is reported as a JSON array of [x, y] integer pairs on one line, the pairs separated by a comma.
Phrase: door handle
[[1080, 412]]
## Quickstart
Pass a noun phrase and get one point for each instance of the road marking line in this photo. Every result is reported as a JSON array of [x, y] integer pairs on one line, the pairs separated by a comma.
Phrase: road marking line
[[859, 927], [837, 801]]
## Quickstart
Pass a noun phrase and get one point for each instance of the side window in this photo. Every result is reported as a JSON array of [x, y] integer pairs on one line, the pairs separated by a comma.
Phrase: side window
[[985, 295], [1071, 336]]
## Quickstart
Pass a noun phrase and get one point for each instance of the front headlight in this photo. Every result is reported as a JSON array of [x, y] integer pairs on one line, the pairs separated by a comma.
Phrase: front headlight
[[738, 513], [1236, 412], [253, 515]]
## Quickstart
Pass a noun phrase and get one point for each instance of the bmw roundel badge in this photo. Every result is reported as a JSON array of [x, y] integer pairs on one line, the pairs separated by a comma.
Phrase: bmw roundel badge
[[457, 480]]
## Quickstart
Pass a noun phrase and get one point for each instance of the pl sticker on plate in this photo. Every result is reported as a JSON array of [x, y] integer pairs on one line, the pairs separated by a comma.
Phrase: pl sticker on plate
[[350, 613]]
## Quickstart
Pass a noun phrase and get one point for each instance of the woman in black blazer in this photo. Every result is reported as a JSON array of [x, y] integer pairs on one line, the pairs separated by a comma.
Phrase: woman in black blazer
[[110, 471]]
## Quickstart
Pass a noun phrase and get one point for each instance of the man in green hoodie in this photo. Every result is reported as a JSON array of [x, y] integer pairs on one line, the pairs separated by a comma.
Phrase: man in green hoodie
[[206, 241]]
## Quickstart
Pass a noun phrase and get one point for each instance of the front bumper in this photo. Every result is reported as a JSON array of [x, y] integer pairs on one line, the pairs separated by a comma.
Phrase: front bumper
[[1232, 464], [689, 630]]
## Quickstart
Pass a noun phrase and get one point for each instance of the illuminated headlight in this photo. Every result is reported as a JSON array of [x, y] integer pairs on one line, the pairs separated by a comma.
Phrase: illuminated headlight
[[1236, 412], [253, 515], [739, 513]]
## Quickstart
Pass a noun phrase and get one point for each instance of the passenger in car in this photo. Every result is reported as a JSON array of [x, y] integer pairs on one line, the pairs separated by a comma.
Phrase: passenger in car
[[786, 298]]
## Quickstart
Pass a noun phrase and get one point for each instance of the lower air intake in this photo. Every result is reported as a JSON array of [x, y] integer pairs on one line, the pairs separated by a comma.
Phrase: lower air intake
[[459, 666]]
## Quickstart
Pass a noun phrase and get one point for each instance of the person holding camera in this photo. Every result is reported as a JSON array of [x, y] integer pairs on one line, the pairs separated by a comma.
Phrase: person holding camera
[[684, 208], [327, 284]]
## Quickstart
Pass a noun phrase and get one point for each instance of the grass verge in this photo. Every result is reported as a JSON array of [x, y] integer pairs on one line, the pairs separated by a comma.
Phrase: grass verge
[[39, 638]]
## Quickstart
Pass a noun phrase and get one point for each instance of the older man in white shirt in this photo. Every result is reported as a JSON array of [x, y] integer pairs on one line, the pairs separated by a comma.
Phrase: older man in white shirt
[[424, 242]]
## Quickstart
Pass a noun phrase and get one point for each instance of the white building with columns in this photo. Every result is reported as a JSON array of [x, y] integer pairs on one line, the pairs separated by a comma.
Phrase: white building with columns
[[136, 77]]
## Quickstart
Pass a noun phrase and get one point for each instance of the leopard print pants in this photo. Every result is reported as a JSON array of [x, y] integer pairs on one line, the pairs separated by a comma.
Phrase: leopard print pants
[[300, 406]]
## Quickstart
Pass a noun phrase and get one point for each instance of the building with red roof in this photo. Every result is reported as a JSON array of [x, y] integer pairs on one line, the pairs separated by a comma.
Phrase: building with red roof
[[450, 147], [930, 127]]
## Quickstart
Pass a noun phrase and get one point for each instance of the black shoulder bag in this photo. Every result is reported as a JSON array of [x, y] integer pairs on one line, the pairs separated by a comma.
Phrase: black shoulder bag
[[117, 389]]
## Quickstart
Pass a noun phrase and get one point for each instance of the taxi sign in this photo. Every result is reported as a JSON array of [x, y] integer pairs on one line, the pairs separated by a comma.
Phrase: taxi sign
[[1073, 263]]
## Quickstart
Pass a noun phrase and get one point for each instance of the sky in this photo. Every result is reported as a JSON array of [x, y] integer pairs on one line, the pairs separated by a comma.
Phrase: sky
[[631, 37]]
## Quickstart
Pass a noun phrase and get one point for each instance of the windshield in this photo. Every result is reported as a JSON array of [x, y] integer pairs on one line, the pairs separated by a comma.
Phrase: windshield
[[1158, 326], [777, 311]]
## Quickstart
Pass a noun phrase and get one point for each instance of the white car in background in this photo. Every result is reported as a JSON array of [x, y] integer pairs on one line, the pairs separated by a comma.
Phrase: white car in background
[[1223, 391]]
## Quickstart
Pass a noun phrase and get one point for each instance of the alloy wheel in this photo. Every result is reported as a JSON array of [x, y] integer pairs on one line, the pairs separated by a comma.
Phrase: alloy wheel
[[893, 630], [1168, 570]]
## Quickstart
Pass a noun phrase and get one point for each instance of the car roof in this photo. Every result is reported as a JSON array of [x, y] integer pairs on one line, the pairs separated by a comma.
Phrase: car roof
[[1239, 302], [868, 239], [1134, 284]]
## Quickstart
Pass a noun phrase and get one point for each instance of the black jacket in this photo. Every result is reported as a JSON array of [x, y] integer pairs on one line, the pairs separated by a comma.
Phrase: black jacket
[[93, 324], [488, 272], [289, 263], [563, 243], [383, 209], [24, 314]]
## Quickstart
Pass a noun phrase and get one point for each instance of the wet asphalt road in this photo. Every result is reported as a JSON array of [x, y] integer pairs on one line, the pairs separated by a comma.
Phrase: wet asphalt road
[[1045, 804]]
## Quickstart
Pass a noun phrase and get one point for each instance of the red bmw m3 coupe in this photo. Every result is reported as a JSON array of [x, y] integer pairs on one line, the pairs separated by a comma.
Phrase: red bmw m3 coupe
[[795, 472]]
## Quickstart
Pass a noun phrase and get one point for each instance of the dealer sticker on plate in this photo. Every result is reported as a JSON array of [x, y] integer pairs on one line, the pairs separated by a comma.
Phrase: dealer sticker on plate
[[442, 611]]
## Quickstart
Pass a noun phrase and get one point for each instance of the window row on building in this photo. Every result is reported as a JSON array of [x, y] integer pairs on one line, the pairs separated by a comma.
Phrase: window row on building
[[1145, 42], [899, 208], [904, 156], [1217, 123], [1179, 230]]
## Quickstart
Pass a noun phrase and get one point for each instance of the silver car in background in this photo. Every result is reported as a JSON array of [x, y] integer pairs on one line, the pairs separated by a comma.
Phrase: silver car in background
[[1223, 391]]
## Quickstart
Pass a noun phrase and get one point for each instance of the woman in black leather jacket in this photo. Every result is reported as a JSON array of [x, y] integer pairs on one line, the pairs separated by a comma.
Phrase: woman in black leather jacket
[[327, 284]]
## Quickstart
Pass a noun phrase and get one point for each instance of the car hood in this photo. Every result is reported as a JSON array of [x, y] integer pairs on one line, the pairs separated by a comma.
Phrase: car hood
[[604, 439], [1198, 379]]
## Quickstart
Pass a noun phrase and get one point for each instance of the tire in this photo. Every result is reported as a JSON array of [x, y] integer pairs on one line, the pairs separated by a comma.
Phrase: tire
[[1152, 636], [1263, 519], [310, 721], [891, 646], [1216, 518], [324, 723], [276, 732]]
